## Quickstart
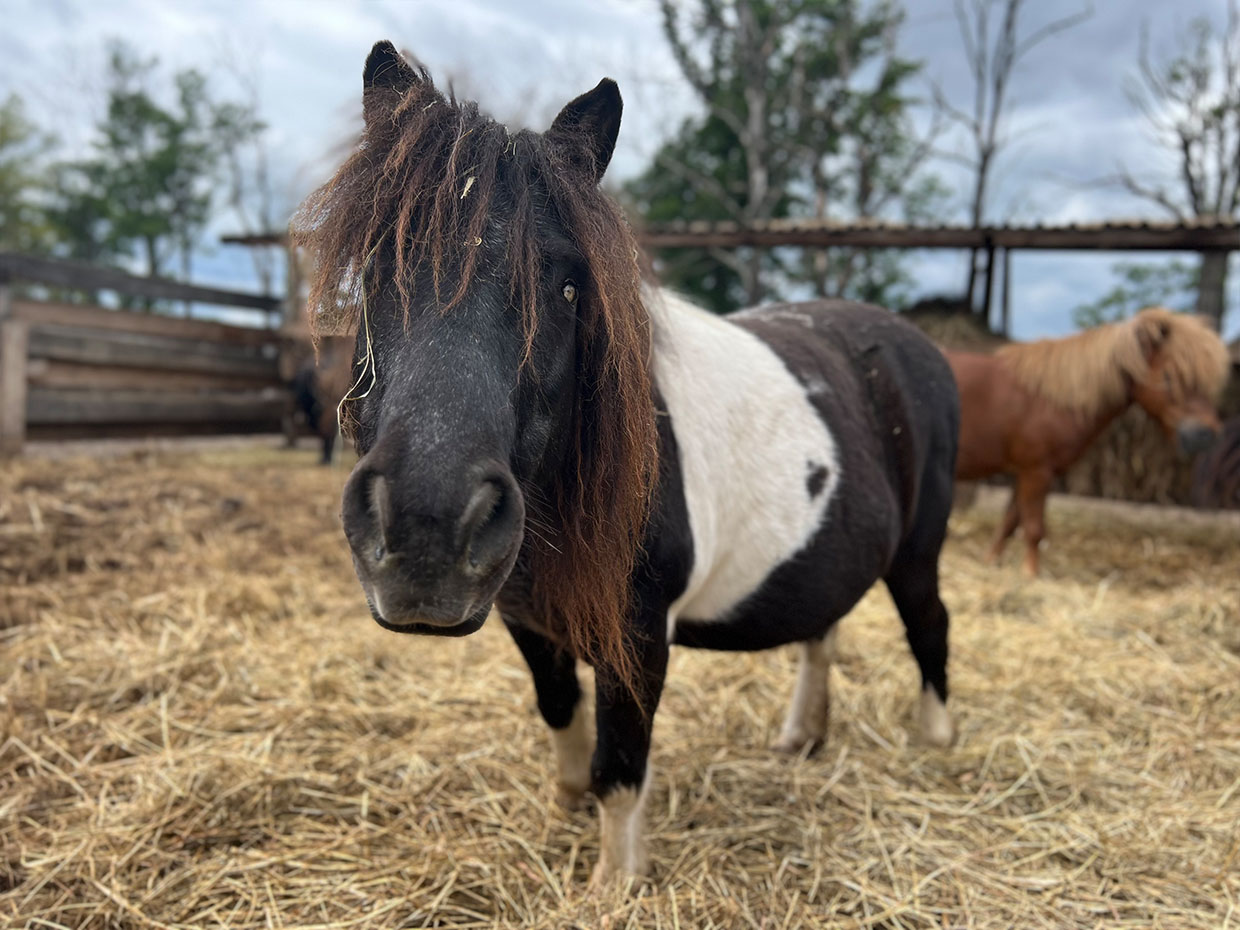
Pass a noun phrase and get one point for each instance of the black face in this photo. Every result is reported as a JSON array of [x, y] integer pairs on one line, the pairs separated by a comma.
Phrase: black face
[[457, 421], [452, 426]]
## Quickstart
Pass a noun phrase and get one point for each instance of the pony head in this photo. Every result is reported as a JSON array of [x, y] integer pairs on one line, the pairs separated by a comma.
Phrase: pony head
[[1177, 366], [501, 402]]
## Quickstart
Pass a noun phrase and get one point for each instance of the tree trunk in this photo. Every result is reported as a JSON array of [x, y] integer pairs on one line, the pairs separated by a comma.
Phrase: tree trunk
[[1212, 287]]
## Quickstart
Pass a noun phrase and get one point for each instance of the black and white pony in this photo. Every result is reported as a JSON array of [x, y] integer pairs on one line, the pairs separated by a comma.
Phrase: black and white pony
[[611, 467]]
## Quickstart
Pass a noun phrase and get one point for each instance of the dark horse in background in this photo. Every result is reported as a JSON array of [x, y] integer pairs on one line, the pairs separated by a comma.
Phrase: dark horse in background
[[317, 379], [1032, 409], [612, 468]]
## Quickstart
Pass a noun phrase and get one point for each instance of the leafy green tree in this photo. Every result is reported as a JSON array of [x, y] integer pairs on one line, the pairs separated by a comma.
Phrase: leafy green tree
[[148, 186], [1141, 285], [23, 184], [805, 114]]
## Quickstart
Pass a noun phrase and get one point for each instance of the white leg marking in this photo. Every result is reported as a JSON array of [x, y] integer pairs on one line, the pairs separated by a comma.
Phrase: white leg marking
[[936, 723], [573, 746], [622, 841], [809, 712]]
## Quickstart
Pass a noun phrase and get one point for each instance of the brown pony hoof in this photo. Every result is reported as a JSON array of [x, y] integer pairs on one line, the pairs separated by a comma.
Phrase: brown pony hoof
[[609, 876], [570, 799], [796, 745]]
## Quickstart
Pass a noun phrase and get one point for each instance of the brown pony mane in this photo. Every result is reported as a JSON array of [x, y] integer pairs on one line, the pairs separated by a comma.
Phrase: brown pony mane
[[1090, 372], [424, 176]]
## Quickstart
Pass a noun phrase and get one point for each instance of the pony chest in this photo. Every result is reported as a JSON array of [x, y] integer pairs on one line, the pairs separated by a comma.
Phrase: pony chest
[[758, 464]]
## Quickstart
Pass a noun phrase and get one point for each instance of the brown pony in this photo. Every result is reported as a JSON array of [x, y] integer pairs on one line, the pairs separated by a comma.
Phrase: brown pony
[[1032, 409]]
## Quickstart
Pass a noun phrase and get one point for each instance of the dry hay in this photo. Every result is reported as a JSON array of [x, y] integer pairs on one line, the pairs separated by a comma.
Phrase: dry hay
[[202, 728]]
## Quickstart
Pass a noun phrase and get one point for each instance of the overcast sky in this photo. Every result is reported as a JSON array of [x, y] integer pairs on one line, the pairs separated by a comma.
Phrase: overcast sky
[[524, 58]]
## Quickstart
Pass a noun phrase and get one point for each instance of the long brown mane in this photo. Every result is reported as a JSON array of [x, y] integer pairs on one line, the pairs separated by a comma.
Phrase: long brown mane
[[414, 198], [1090, 372]]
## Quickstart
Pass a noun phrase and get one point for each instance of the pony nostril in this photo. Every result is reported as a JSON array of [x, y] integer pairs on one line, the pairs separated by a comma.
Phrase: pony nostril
[[491, 519]]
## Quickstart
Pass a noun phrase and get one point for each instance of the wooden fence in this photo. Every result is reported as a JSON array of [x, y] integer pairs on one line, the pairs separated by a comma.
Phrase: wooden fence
[[84, 371]]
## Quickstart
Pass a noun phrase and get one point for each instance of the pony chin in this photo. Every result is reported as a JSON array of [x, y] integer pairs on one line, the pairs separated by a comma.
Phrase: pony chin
[[472, 623]]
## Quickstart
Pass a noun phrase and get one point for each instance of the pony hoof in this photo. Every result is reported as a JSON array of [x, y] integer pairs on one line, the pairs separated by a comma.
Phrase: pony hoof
[[569, 798], [608, 875], [795, 745], [937, 727]]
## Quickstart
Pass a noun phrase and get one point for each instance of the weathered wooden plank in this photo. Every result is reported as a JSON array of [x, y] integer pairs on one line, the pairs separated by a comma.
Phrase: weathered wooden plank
[[140, 350], [43, 372], [57, 272], [66, 406], [13, 341], [90, 317], [59, 432]]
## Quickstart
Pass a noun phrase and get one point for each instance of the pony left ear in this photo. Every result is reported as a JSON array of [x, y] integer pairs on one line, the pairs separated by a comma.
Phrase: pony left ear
[[587, 127]]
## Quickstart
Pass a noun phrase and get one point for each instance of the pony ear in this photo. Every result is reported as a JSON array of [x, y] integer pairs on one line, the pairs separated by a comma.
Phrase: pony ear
[[385, 79], [587, 127], [1151, 334]]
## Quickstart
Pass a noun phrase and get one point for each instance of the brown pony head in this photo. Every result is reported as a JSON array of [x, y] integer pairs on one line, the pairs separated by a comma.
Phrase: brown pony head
[[1181, 372], [501, 399], [1171, 364]]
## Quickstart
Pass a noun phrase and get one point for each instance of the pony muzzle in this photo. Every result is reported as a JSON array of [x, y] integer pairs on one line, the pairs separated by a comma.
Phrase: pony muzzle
[[431, 556], [1195, 437]]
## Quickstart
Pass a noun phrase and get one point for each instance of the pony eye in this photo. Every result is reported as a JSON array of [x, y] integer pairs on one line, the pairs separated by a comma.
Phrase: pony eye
[[570, 292]]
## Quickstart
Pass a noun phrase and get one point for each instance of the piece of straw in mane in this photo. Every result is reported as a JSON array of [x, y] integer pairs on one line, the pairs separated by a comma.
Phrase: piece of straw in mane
[[413, 203], [1089, 372]]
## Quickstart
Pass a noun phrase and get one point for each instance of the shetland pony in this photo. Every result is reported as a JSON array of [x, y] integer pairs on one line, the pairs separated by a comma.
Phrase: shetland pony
[[611, 467], [1032, 409]]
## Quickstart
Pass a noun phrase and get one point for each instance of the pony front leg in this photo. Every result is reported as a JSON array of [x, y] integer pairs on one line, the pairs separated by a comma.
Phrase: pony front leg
[[621, 770], [1032, 488], [562, 706]]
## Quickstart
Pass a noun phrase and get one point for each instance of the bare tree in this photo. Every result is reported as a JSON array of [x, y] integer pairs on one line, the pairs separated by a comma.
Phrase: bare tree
[[874, 165], [242, 139], [748, 116], [992, 52], [1192, 104]]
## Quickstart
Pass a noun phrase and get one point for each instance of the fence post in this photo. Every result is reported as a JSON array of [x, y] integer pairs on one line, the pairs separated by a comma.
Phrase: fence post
[[14, 338]]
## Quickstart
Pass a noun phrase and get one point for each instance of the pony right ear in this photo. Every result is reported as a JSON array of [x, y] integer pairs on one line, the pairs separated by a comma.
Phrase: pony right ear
[[385, 79], [1152, 332]]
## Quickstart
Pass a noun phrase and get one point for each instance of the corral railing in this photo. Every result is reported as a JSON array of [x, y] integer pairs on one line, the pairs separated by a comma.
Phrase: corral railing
[[85, 371]]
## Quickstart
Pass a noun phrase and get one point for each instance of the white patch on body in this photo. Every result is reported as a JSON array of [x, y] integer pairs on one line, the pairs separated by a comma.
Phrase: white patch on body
[[936, 723], [622, 841], [810, 710], [747, 435], [574, 746]]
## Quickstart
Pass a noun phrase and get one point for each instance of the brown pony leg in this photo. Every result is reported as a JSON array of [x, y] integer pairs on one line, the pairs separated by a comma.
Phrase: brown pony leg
[[1031, 490], [1007, 526]]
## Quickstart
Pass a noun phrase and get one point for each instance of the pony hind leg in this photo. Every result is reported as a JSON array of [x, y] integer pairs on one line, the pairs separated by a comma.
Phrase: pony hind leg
[[914, 585], [805, 726], [915, 590], [1007, 526], [564, 710]]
